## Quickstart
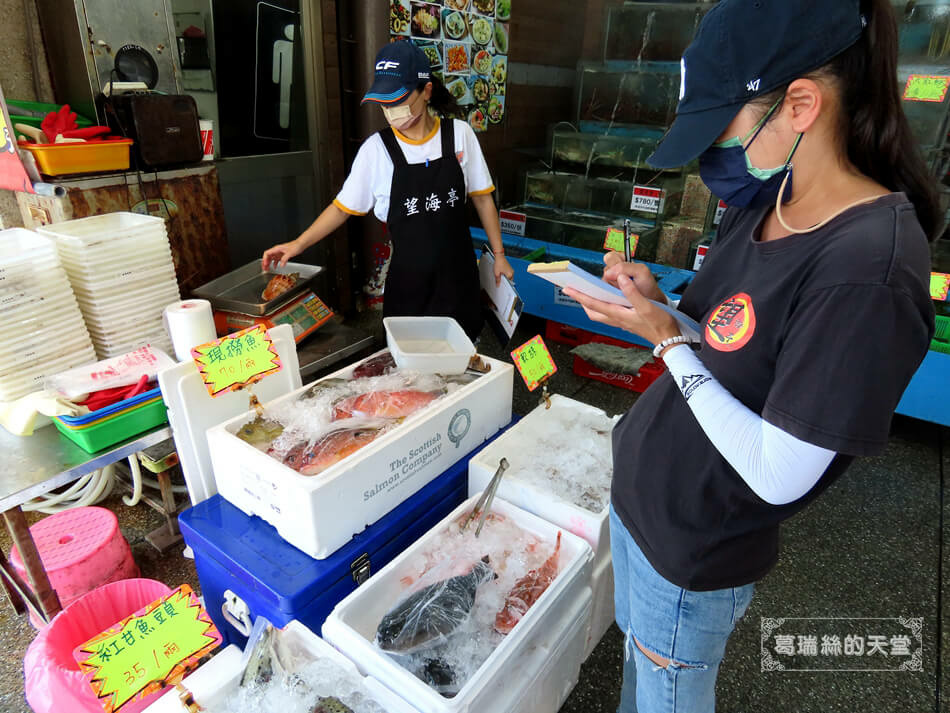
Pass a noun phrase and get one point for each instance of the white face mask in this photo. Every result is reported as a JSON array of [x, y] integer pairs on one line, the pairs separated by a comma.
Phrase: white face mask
[[401, 117]]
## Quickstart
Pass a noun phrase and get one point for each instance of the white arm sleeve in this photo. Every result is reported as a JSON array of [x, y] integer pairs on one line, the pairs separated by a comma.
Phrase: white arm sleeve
[[776, 465]]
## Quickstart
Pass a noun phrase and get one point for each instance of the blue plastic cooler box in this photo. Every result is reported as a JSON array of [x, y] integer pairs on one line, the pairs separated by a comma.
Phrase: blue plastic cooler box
[[243, 555]]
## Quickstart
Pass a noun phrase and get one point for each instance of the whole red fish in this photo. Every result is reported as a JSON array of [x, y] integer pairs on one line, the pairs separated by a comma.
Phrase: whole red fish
[[384, 404], [527, 591], [377, 366], [329, 449]]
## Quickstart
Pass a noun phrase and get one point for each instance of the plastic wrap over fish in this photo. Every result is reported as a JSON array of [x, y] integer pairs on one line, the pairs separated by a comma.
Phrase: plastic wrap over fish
[[446, 628], [282, 676], [336, 417]]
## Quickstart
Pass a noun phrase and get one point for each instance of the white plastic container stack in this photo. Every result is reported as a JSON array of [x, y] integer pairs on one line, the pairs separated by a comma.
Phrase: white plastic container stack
[[319, 514], [46, 333], [515, 446], [121, 269], [532, 670]]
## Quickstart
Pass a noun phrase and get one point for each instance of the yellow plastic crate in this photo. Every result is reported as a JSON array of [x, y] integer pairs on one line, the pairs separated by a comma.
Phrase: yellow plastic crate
[[88, 157]]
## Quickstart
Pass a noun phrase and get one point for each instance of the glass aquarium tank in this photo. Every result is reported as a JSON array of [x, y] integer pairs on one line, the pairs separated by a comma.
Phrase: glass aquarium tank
[[582, 151], [653, 196], [923, 29], [651, 31], [625, 93], [926, 100], [579, 229]]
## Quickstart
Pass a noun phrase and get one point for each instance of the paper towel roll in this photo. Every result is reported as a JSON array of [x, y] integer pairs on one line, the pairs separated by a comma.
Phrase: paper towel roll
[[189, 323]]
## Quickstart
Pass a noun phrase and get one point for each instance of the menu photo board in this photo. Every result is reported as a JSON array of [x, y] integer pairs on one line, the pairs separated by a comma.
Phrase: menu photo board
[[467, 45]]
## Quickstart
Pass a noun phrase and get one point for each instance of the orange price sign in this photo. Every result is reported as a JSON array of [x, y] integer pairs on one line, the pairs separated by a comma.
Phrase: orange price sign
[[237, 360], [534, 362], [151, 649]]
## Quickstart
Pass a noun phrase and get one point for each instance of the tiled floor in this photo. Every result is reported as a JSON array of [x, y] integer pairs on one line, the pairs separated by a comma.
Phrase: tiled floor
[[869, 547]]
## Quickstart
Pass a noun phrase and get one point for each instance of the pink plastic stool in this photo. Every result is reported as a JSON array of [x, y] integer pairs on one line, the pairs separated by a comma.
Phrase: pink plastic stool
[[81, 549]]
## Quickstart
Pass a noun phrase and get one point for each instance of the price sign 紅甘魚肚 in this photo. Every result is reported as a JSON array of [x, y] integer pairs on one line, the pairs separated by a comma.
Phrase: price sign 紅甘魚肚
[[534, 362]]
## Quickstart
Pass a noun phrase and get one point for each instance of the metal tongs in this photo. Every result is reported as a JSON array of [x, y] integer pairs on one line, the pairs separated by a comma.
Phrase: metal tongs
[[484, 503]]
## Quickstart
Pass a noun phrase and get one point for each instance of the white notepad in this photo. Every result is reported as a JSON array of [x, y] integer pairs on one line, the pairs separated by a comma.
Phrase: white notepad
[[567, 274]]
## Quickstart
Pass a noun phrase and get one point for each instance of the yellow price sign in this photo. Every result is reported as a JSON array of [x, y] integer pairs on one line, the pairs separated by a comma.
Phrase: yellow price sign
[[926, 88], [614, 241], [151, 649], [237, 360], [534, 362], [939, 286]]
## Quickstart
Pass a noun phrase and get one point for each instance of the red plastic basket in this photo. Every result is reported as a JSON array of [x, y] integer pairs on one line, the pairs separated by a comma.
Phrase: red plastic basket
[[638, 382]]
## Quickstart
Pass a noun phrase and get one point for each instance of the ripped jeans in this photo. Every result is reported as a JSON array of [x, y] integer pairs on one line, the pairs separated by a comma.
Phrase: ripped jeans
[[688, 628]]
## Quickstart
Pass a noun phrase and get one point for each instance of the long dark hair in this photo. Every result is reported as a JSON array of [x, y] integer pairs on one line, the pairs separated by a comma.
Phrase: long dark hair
[[442, 101], [873, 128]]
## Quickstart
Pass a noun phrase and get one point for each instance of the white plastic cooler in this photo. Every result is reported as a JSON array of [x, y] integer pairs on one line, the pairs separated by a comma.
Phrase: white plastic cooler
[[532, 670], [319, 514], [593, 527]]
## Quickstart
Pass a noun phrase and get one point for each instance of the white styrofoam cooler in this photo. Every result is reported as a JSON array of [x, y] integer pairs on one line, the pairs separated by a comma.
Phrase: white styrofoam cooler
[[531, 671], [319, 514], [212, 682], [593, 527]]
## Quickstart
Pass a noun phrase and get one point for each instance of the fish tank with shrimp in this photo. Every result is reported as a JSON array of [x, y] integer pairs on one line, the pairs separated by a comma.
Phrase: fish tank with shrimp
[[617, 94], [649, 31], [652, 196]]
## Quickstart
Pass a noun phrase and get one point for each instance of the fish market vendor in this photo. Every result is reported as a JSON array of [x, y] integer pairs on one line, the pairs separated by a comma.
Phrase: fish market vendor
[[417, 176], [813, 310]]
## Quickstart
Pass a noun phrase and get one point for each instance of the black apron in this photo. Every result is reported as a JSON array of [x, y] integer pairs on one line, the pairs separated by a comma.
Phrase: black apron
[[432, 272]]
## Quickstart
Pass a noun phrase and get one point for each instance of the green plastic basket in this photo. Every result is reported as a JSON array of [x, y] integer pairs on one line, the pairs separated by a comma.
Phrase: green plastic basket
[[18, 118], [941, 340], [97, 436]]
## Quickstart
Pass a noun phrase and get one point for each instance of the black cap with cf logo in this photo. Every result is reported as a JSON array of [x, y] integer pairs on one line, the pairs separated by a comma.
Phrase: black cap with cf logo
[[400, 68], [745, 48]]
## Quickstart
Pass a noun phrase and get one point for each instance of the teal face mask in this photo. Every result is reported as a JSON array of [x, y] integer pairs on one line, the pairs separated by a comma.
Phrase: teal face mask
[[727, 172]]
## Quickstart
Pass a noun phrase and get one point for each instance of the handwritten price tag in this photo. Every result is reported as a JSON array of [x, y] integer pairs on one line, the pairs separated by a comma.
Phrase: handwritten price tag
[[939, 286], [149, 650], [926, 88], [614, 241], [534, 362], [236, 360]]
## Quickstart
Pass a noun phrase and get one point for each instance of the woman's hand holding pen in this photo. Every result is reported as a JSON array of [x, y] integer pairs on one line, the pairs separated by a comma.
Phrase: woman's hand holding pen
[[638, 286]]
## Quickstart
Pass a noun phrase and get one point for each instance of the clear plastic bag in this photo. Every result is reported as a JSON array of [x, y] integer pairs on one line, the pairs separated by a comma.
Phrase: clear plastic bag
[[123, 370]]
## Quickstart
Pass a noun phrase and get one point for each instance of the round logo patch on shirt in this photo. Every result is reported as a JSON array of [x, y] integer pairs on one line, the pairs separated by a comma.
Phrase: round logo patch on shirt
[[731, 325]]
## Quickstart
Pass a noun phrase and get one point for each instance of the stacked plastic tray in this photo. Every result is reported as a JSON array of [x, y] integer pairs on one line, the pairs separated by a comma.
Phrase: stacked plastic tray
[[120, 266], [45, 333]]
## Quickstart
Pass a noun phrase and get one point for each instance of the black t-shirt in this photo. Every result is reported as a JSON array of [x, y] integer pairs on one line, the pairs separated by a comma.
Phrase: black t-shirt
[[819, 333]]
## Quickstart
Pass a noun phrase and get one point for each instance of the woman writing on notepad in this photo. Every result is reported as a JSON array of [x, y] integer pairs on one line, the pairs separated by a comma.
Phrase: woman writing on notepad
[[417, 176], [814, 313]]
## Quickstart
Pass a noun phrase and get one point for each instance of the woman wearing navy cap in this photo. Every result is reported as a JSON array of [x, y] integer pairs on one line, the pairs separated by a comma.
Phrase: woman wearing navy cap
[[417, 177], [814, 314]]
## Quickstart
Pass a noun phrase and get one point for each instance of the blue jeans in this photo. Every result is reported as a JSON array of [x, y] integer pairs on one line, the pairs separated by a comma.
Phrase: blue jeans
[[688, 628]]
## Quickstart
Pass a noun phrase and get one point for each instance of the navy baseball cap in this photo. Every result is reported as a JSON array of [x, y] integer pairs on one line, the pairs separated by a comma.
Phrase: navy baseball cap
[[400, 67], [746, 48]]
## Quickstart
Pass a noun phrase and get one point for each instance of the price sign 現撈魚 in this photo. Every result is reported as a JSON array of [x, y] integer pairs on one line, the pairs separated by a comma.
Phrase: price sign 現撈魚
[[614, 241], [534, 362], [148, 650], [237, 360]]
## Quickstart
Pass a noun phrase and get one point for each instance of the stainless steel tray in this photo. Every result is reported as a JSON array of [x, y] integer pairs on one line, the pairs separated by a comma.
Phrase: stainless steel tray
[[240, 290]]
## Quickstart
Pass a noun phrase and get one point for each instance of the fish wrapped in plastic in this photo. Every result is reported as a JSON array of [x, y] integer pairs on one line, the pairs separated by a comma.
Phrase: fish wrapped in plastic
[[527, 591], [311, 457], [384, 404], [377, 366], [260, 432], [434, 612]]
